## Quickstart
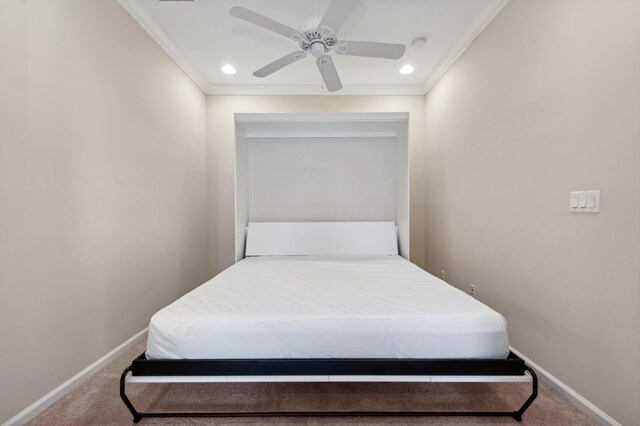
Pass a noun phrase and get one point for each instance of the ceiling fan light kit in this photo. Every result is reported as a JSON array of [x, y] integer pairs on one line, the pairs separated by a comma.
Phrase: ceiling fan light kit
[[318, 38]]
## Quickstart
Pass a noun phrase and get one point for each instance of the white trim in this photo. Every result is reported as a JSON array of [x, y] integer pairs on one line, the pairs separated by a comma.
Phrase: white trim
[[43, 403], [180, 58], [162, 38], [320, 117], [327, 134], [379, 379], [407, 129], [175, 379], [330, 378], [314, 89], [276, 379], [574, 397], [462, 43], [526, 378]]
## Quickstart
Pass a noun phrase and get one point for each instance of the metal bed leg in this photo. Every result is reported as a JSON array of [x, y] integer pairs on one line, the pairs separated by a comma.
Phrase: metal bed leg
[[532, 397], [123, 383], [517, 415]]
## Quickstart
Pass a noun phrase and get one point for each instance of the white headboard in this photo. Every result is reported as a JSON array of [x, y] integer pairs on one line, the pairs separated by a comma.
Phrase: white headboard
[[321, 238]]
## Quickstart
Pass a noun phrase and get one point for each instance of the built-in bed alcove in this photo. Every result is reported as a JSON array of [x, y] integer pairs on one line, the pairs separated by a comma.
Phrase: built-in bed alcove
[[322, 167], [310, 169]]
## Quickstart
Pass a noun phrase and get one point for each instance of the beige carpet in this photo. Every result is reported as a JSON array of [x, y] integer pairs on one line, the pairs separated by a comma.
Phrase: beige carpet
[[97, 402]]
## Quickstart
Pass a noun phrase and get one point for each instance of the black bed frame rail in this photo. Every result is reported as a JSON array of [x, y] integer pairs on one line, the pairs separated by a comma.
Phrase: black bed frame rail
[[512, 366]]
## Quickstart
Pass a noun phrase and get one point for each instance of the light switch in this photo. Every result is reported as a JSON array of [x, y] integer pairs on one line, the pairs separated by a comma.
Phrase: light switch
[[584, 201], [574, 201]]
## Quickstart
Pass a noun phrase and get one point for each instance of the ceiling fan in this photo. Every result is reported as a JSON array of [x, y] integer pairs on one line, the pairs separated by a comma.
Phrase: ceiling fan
[[317, 36]]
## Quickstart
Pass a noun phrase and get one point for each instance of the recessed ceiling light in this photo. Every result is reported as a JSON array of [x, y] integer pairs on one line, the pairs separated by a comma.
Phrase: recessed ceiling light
[[228, 69], [407, 69]]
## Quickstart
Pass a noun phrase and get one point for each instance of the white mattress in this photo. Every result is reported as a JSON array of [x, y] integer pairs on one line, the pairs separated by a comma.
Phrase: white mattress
[[326, 307]]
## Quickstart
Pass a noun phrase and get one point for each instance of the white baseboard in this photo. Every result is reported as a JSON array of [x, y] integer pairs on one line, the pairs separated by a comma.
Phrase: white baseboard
[[574, 397], [40, 405]]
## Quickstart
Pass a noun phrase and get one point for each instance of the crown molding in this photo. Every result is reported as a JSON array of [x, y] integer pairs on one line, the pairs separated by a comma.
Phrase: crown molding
[[164, 40], [465, 40], [313, 89]]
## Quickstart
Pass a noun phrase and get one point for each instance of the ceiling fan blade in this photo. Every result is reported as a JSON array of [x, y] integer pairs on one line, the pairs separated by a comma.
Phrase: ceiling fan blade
[[279, 64], [337, 13], [329, 73], [262, 21], [370, 49]]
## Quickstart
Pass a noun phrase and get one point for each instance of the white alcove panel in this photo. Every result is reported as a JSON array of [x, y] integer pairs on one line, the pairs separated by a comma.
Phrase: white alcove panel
[[322, 167], [321, 179]]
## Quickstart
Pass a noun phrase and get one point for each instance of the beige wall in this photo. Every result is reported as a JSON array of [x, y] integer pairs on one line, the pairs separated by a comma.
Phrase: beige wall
[[221, 155], [102, 188], [546, 101]]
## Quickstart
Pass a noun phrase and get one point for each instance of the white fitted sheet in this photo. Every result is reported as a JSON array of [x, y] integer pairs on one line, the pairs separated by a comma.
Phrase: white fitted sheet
[[326, 307]]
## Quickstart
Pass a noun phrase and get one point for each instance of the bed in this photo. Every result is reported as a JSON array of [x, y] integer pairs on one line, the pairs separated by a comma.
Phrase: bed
[[293, 310]]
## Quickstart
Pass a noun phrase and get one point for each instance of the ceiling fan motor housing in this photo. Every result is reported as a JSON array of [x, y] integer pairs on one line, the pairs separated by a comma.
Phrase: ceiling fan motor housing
[[315, 39]]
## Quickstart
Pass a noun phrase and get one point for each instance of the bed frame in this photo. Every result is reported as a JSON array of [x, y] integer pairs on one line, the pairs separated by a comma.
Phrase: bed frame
[[512, 369]]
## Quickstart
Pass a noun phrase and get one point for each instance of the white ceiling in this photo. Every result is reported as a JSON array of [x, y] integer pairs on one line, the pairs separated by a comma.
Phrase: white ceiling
[[201, 36]]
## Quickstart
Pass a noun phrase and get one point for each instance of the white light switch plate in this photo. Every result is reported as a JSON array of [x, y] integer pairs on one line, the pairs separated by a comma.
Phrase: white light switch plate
[[584, 201]]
